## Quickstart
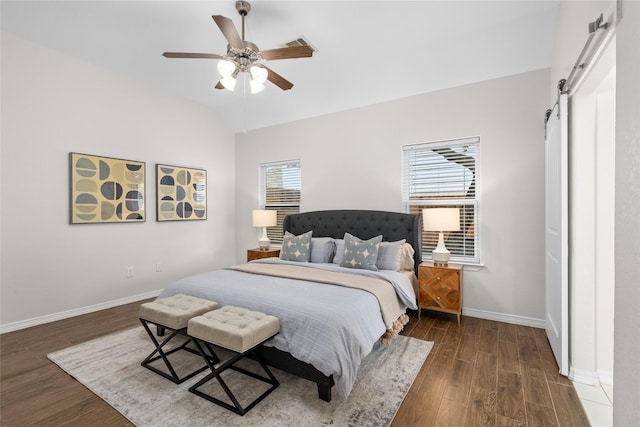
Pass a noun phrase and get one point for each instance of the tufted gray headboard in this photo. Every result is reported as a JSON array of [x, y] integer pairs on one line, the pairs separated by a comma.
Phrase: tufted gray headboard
[[361, 223]]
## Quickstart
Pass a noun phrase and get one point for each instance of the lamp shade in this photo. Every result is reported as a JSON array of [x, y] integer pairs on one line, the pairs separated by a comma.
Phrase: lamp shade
[[259, 73], [228, 82], [226, 68], [265, 218], [256, 86], [441, 219]]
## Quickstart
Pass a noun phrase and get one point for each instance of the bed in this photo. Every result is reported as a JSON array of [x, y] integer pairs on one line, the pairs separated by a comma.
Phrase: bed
[[326, 330]]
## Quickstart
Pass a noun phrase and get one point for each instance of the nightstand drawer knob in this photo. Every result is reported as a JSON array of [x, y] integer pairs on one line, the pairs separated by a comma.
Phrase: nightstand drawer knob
[[438, 277], [437, 297]]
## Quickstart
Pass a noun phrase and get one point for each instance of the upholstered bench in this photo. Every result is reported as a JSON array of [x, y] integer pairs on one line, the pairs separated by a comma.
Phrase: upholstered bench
[[172, 313], [242, 331]]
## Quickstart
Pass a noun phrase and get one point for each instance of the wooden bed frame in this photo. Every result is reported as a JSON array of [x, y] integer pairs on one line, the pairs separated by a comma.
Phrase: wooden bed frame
[[364, 224]]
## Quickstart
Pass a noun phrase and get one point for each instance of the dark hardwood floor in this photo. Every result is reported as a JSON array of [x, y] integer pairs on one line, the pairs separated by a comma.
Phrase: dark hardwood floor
[[35, 392], [487, 373], [482, 373]]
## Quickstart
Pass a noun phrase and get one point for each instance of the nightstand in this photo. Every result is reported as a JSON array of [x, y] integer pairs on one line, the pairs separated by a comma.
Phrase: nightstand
[[258, 253], [440, 288]]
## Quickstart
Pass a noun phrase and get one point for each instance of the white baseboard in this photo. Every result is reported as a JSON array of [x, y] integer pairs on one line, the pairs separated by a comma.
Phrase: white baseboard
[[605, 377], [507, 318], [22, 324], [583, 377]]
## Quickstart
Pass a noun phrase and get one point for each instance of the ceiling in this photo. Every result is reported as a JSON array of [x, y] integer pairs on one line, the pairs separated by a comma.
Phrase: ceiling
[[367, 52]]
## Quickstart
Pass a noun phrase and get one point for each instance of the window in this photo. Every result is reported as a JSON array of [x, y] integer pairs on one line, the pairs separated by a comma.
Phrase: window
[[280, 186], [445, 174]]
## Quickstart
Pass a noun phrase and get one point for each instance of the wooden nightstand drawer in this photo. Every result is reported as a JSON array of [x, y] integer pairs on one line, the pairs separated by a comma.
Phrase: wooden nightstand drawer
[[259, 254], [440, 288]]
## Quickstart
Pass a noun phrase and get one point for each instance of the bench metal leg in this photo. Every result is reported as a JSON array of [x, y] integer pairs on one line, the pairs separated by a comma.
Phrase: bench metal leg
[[229, 364], [161, 354]]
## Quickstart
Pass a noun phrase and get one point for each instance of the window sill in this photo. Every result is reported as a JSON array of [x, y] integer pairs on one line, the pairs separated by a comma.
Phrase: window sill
[[467, 266], [473, 266]]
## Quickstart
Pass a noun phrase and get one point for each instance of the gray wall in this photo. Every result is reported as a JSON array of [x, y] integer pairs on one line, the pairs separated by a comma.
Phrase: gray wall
[[626, 408], [352, 160], [53, 104]]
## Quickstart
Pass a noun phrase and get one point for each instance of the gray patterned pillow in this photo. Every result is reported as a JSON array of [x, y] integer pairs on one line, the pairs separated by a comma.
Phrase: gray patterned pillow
[[296, 248], [359, 253]]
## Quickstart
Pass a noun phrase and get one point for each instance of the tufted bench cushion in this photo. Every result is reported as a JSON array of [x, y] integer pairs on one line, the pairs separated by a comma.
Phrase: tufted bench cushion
[[234, 328], [174, 312]]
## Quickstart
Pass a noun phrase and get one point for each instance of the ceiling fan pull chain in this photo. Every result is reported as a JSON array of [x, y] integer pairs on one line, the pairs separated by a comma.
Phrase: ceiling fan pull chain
[[244, 103]]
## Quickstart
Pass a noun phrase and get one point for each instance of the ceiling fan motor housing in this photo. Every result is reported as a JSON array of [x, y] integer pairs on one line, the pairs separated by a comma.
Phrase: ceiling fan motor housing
[[245, 57]]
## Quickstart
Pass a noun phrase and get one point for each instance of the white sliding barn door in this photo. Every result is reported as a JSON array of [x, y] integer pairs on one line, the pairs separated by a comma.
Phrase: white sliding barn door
[[556, 234]]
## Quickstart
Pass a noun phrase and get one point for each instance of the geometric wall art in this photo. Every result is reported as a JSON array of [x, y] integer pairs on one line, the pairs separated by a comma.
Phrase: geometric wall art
[[181, 193], [104, 189]]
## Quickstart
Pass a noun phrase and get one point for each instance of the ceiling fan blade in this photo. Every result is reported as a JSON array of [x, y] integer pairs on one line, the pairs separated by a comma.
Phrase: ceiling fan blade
[[219, 86], [287, 53], [192, 55], [278, 80], [229, 31]]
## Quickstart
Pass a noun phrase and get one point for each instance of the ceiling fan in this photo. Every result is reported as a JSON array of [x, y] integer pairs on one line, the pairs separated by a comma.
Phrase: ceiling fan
[[244, 56]]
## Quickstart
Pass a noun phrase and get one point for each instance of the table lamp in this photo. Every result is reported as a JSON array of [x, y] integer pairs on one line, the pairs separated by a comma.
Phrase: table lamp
[[441, 219], [264, 218]]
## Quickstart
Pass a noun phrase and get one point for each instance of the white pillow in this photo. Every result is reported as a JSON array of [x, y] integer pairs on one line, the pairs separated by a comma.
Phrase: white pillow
[[408, 261]]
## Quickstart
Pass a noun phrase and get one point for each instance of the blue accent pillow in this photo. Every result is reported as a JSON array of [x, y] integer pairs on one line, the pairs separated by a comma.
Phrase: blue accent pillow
[[359, 253], [338, 257], [322, 249], [390, 255], [296, 248]]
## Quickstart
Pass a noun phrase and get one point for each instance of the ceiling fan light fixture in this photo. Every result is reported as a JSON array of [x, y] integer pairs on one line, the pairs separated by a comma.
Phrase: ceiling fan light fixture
[[258, 74], [226, 67], [242, 55], [229, 82], [256, 86]]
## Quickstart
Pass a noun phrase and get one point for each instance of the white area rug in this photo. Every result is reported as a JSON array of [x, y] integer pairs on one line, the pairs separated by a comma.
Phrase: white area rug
[[110, 367]]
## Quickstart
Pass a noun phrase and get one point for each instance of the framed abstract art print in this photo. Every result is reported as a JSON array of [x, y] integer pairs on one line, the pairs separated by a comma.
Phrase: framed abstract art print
[[105, 189], [181, 193]]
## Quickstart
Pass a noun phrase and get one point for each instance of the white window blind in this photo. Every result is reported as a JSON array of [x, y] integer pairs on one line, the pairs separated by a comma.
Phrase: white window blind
[[445, 174], [280, 185]]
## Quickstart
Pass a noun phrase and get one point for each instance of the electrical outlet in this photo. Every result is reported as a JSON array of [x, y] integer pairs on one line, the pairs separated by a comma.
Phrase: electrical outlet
[[129, 272], [158, 267]]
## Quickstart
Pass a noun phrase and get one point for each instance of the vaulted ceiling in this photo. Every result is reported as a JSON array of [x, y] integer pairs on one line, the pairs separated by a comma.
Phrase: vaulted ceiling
[[367, 52]]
